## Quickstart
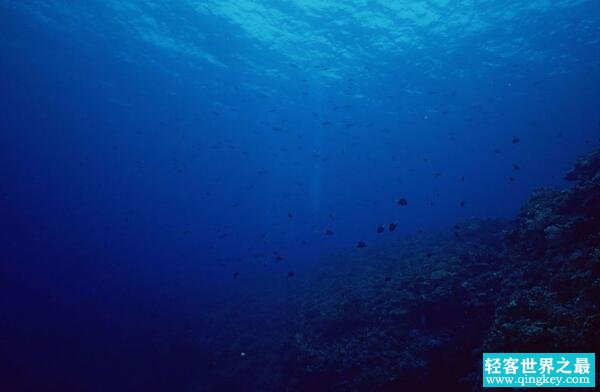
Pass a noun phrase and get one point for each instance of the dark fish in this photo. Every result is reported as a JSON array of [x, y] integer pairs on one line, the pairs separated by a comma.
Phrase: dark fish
[[462, 203], [512, 179], [331, 216], [515, 140], [236, 274], [291, 274], [402, 201], [437, 174], [462, 179], [279, 258], [361, 244], [290, 215], [387, 278], [328, 232], [516, 167], [497, 151], [456, 227], [428, 255], [392, 226], [380, 229]]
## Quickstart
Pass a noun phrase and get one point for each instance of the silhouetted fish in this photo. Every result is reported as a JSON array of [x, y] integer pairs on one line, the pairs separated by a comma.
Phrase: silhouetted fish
[[516, 140], [290, 215], [380, 229], [392, 226], [462, 203], [328, 232], [516, 167], [402, 201], [236, 274], [361, 244], [291, 274]]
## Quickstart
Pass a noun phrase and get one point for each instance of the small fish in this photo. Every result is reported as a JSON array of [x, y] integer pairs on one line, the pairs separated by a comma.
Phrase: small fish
[[462, 203], [516, 167], [392, 226], [328, 232], [236, 274], [291, 274], [497, 151], [361, 244], [387, 278], [402, 201], [515, 140], [512, 179], [290, 215], [428, 255], [380, 229], [437, 174], [279, 258]]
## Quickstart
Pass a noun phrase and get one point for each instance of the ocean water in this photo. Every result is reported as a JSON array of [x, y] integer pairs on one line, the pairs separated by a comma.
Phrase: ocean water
[[173, 172]]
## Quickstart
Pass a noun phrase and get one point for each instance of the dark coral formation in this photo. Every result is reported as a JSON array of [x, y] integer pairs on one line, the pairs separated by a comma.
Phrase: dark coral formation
[[420, 312]]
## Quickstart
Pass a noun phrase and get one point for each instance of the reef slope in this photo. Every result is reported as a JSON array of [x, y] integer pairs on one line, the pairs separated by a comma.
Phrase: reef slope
[[419, 312]]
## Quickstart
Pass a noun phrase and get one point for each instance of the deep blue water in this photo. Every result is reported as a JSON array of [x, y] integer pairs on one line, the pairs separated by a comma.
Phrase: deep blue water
[[151, 149]]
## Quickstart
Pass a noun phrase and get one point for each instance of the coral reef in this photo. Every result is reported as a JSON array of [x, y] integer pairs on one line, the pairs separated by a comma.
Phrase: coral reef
[[419, 312]]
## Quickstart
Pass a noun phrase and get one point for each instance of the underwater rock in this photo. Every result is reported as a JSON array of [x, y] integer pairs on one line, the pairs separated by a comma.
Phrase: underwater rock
[[529, 285], [586, 168]]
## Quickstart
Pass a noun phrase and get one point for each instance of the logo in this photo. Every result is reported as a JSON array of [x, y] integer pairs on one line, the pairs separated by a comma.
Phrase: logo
[[539, 370]]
